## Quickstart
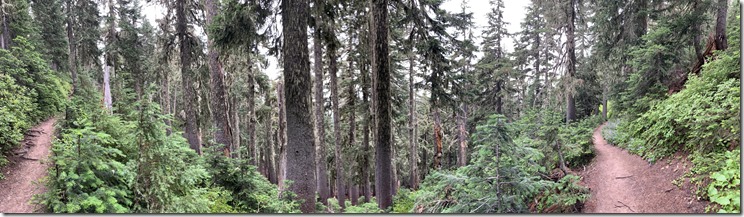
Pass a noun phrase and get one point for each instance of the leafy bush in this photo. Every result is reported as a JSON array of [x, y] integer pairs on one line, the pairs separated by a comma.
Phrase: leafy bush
[[502, 178], [370, 207], [170, 175], [403, 201], [545, 129], [576, 141], [85, 179], [27, 67], [251, 192], [333, 206], [29, 93], [564, 196], [13, 118], [703, 117], [725, 190], [722, 173], [609, 132], [219, 199]]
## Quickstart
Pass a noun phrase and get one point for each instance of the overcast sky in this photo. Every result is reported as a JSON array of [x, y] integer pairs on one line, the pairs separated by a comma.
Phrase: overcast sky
[[513, 14]]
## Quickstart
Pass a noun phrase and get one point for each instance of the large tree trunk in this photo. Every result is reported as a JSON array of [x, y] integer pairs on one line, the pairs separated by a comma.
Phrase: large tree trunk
[[721, 15], [354, 189], [281, 136], [322, 166], [72, 58], [366, 87], [352, 122], [499, 101], [364, 168], [165, 88], [333, 68], [109, 61], [437, 137], [412, 138], [373, 92], [251, 108], [381, 68], [462, 137], [571, 49], [352, 130], [300, 146], [536, 65], [107, 102], [191, 131], [234, 106], [641, 18], [223, 132], [604, 103], [268, 153]]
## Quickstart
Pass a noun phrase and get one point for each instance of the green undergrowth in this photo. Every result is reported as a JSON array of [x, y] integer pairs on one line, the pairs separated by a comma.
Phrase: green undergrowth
[[510, 169], [111, 163], [704, 120], [30, 92]]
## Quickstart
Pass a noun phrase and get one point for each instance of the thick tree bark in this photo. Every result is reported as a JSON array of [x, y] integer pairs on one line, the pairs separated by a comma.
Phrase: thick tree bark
[[462, 137], [300, 146], [381, 68], [223, 132], [352, 130], [366, 87], [281, 136], [372, 91], [641, 18], [352, 121], [571, 49], [333, 68], [109, 62], [499, 101], [250, 125], [72, 58], [604, 104], [354, 189], [235, 126], [189, 95], [107, 102], [364, 168], [412, 125], [322, 166], [166, 102], [437, 138], [721, 15], [536, 65]]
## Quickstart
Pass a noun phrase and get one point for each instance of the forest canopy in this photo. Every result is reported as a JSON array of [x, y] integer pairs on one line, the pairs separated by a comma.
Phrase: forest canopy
[[375, 106]]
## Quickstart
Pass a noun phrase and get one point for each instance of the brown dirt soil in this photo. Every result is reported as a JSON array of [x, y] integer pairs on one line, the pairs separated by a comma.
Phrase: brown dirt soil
[[24, 171], [625, 183]]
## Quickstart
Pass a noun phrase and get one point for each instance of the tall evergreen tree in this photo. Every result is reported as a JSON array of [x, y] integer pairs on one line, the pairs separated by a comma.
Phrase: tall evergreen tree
[[381, 70], [50, 20], [223, 133], [300, 146]]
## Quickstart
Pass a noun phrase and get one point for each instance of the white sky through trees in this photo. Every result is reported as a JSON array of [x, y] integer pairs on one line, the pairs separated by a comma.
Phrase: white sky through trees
[[514, 11]]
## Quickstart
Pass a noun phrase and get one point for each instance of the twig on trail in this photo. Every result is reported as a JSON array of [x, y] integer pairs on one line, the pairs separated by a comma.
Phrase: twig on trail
[[667, 191], [28, 133], [623, 177], [625, 205], [25, 158]]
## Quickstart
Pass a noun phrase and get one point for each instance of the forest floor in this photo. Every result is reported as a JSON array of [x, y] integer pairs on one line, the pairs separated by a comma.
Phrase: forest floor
[[26, 169], [621, 182]]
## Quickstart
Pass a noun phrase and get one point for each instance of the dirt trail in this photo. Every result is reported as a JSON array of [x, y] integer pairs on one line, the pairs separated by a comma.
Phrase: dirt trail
[[24, 171], [625, 183]]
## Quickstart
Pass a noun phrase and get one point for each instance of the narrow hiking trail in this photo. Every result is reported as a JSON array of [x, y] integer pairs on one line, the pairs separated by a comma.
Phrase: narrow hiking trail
[[24, 171], [625, 183]]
